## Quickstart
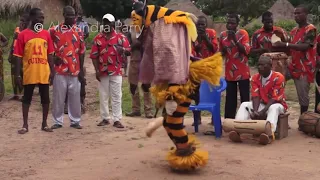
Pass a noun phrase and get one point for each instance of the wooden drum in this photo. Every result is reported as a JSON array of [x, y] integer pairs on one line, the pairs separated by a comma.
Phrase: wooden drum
[[279, 62], [309, 123], [255, 127]]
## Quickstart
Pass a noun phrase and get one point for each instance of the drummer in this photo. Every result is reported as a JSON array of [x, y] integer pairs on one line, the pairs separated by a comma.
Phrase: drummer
[[261, 39], [302, 46], [268, 99]]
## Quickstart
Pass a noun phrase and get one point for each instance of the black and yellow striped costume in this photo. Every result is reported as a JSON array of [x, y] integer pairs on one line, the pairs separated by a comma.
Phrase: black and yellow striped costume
[[152, 13], [185, 156]]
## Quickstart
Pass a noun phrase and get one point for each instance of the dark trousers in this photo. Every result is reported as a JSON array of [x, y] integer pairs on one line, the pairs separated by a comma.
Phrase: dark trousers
[[43, 90], [317, 93], [231, 96]]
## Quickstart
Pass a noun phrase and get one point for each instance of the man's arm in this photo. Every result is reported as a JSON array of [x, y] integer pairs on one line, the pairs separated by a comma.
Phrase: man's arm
[[86, 31], [94, 55], [211, 42], [18, 54], [308, 42], [243, 44], [255, 94], [51, 63], [126, 45], [10, 58], [81, 54], [3, 40], [222, 49], [255, 47], [277, 92]]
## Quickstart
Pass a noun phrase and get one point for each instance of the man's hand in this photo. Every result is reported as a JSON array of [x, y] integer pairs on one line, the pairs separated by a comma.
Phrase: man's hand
[[262, 114], [224, 50], [98, 75], [120, 49], [318, 64], [51, 78], [58, 61], [201, 32], [81, 77], [279, 44], [232, 35], [18, 81], [10, 58], [254, 115]]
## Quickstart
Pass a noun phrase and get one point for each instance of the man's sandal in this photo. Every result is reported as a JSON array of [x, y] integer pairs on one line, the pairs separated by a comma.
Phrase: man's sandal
[[46, 129], [235, 137], [264, 139], [23, 131]]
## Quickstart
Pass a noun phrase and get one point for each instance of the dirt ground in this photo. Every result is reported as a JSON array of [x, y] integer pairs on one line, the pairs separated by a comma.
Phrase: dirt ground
[[111, 154]]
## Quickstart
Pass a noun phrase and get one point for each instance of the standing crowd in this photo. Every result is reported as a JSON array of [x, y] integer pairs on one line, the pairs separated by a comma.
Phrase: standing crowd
[[56, 57]]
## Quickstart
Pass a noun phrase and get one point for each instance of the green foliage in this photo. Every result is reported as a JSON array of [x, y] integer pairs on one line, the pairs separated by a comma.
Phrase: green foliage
[[7, 27]]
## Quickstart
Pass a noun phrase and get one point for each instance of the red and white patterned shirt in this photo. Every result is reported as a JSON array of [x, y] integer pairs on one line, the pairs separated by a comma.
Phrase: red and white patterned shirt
[[104, 50]]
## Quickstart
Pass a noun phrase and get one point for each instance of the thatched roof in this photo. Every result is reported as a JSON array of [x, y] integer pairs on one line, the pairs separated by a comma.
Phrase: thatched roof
[[13, 7], [219, 27], [188, 6], [281, 10], [183, 5]]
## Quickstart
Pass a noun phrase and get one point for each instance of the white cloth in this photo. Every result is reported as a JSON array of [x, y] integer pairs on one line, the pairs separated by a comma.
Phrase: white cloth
[[171, 107], [264, 80], [61, 86], [272, 114], [110, 86]]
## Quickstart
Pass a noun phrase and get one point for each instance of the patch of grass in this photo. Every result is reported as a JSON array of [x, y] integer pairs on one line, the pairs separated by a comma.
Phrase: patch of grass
[[7, 75]]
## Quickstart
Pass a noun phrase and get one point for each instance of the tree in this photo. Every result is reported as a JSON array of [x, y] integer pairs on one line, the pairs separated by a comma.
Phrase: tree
[[248, 9], [97, 8], [121, 9]]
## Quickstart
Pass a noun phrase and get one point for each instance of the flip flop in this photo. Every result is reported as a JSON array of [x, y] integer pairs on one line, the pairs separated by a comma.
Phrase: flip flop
[[235, 137], [23, 131], [209, 133], [46, 129], [104, 123], [264, 139]]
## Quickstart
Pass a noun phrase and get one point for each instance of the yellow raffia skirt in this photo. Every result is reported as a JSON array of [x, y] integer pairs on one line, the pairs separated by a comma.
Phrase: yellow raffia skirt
[[209, 69]]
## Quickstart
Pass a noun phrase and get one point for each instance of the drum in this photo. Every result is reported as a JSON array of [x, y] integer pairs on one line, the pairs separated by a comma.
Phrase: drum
[[279, 62], [309, 123], [255, 127]]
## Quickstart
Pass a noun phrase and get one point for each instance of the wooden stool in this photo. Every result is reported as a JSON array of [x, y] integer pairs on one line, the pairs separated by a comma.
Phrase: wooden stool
[[282, 126]]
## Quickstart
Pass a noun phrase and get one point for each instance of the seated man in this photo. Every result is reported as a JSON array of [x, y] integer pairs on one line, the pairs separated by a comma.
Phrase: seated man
[[268, 99]]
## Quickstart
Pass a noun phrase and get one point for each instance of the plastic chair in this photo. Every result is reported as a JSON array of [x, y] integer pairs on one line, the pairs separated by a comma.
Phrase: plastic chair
[[210, 99]]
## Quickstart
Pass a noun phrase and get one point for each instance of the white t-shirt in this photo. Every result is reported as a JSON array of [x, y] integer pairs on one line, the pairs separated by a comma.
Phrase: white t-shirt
[[264, 80]]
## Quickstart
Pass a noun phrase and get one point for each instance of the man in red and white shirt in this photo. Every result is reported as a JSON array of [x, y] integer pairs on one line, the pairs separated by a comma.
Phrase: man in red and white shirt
[[261, 39], [235, 47], [268, 99], [106, 54], [205, 46], [69, 49]]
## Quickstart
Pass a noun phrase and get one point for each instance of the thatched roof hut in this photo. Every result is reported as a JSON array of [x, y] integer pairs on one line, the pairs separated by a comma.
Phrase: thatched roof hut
[[281, 10], [51, 8], [188, 6], [183, 5]]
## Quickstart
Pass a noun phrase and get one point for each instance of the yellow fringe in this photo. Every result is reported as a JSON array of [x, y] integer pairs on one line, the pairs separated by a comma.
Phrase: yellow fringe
[[209, 69], [198, 159]]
